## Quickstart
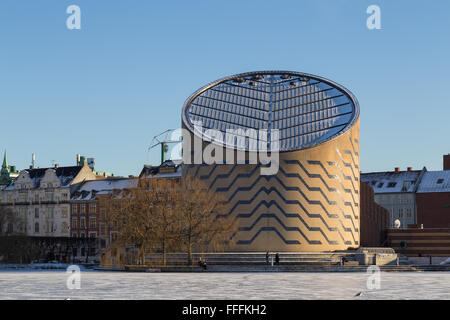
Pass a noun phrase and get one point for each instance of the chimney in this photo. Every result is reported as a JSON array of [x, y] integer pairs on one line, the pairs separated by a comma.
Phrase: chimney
[[397, 169], [409, 168], [78, 159], [56, 166], [33, 160], [447, 161]]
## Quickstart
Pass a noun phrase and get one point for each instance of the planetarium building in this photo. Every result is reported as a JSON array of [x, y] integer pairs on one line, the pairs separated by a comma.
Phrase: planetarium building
[[309, 202]]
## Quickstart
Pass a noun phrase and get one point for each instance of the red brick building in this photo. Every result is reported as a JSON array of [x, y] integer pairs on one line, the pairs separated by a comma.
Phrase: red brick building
[[433, 200], [374, 219], [87, 222]]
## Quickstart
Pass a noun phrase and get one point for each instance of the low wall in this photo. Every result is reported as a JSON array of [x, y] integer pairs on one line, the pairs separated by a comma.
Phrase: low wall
[[420, 242]]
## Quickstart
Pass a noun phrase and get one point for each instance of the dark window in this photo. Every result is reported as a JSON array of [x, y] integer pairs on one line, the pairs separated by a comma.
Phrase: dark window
[[391, 184], [440, 181], [380, 185]]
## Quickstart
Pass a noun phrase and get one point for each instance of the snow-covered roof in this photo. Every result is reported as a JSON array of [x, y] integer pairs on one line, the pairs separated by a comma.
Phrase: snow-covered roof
[[66, 175], [435, 181], [169, 169], [88, 190], [392, 181]]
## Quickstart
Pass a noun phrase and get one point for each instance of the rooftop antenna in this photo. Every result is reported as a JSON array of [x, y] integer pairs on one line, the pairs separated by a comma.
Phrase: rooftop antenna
[[163, 140]]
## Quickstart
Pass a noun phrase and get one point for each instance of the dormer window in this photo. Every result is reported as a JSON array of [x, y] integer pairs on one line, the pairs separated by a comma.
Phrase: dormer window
[[380, 185], [440, 181], [391, 184]]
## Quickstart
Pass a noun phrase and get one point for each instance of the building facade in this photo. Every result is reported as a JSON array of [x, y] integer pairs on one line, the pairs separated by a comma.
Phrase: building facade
[[88, 223], [39, 198], [433, 200], [312, 202], [374, 219], [396, 192]]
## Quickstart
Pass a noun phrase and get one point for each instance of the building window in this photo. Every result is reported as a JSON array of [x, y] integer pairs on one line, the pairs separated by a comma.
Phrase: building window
[[64, 197], [64, 212], [82, 222], [22, 197], [36, 227], [102, 229], [92, 235], [49, 196], [391, 184], [93, 208], [408, 212], [103, 213], [74, 223], [440, 181], [64, 227], [74, 208], [83, 208], [36, 213], [82, 235], [400, 213], [380, 185], [74, 235], [92, 222]]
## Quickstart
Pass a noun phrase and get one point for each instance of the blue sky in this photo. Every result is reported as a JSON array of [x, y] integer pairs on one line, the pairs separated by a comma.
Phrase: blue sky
[[104, 91]]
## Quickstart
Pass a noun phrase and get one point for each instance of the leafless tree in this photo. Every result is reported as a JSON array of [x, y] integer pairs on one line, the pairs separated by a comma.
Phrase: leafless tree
[[203, 214], [168, 215]]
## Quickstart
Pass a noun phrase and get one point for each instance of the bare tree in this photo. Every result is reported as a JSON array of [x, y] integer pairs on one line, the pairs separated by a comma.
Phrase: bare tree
[[166, 215], [144, 217], [14, 244], [203, 214]]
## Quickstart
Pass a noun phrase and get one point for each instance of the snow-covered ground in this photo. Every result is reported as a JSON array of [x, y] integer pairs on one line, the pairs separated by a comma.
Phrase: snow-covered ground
[[37, 284]]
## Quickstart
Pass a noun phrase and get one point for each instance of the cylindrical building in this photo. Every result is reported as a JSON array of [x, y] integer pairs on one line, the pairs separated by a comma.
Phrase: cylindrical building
[[311, 203]]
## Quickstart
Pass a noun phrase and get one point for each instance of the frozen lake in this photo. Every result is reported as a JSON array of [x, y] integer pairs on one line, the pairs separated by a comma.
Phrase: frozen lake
[[119, 285]]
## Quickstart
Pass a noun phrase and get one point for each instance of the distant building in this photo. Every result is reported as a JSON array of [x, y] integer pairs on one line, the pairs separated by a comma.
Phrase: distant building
[[87, 219], [374, 220], [8, 173], [81, 160], [40, 199], [168, 169], [433, 198], [396, 191], [446, 162]]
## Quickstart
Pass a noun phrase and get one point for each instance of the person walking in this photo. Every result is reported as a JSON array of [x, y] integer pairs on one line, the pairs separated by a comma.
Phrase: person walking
[[277, 259]]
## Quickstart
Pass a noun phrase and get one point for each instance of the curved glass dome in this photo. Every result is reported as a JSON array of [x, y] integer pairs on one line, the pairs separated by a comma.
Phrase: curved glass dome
[[305, 109]]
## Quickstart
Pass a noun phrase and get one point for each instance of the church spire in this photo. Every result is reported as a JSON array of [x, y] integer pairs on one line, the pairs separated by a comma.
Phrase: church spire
[[5, 166]]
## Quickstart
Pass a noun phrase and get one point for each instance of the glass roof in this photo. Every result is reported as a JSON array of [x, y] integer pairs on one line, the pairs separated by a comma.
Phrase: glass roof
[[305, 109]]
